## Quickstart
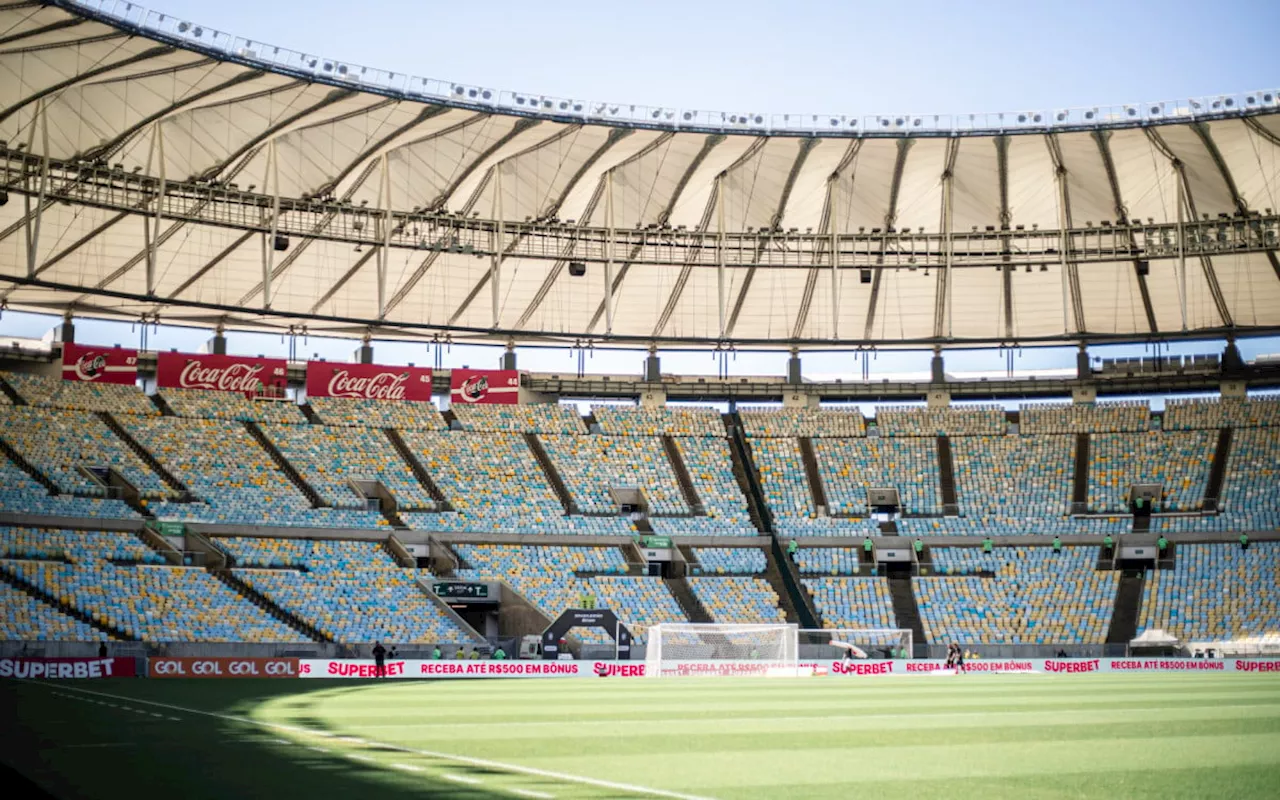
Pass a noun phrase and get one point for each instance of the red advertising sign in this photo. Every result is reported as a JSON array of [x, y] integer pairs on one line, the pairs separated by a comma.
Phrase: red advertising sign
[[368, 382], [67, 668], [474, 386], [240, 374], [99, 364], [222, 667]]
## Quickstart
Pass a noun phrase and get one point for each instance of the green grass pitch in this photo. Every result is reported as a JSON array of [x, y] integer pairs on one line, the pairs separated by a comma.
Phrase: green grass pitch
[[977, 736]]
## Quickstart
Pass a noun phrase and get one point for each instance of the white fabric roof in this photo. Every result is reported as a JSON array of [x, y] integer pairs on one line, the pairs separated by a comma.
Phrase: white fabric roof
[[162, 109]]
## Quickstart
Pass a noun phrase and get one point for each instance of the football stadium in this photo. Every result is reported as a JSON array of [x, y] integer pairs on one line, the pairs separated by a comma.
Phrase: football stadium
[[252, 546]]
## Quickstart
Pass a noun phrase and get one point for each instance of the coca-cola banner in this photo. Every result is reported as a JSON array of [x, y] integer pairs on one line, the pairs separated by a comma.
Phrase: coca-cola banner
[[99, 364], [68, 668], [484, 386], [248, 376], [368, 382]]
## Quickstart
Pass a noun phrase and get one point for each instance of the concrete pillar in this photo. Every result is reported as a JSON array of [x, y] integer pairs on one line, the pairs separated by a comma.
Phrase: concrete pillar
[[653, 367], [937, 398], [1084, 395], [800, 399], [1231, 360], [1083, 370], [653, 398], [218, 344], [937, 368], [508, 360], [66, 332], [364, 353], [793, 368], [1234, 390]]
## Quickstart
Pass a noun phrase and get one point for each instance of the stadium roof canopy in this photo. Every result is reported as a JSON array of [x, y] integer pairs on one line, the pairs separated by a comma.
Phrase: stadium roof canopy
[[156, 166]]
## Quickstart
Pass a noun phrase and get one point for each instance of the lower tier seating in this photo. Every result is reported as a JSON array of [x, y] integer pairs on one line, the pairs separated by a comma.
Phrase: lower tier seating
[[27, 619], [19, 494], [852, 602], [1035, 596], [738, 599], [729, 561], [1215, 592], [828, 561]]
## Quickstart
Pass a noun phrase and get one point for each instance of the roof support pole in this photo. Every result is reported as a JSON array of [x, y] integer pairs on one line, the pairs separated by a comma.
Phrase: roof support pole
[[948, 216], [384, 252], [33, 218], [1064, 245], [608, 261], [835, 257], [499, 244], [269, 245], [157, 220], [1182, 254], [721, 298]]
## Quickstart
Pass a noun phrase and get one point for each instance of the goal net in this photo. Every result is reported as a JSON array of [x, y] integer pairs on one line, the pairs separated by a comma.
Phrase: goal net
[[837, 644], [716, 649]]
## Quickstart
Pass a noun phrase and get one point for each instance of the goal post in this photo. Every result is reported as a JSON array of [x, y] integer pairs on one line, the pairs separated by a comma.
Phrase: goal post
[[835, 644], [721, 649]]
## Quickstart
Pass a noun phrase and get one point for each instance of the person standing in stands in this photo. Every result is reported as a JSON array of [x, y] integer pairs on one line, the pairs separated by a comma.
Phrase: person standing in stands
[[988, 544], [435, 653], [394, 654], [102, 649], [1057, 544], [792, 549], [379, 660], [1244, 543], [499, 654]]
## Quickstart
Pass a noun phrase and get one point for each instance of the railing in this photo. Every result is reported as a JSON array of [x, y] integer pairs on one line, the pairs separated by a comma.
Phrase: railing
[[192, 35]]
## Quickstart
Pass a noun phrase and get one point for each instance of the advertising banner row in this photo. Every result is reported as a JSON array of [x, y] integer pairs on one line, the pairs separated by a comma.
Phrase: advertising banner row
[[89, 668], [250, 376]]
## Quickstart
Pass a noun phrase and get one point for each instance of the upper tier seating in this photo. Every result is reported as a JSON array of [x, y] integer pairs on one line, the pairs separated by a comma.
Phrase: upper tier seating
[[37, 390], [362, 413], [738, 599], [672, 421], [1181, 461], [590, 465], [544, 575], [27, 619], [535, 418], [19, 494], [1036, 597], [353, 591], [226, 467], [828, 561], [814, 422], [156, 604], [60, 443], [852, 602], [268, 553], [329, 458], [974, 420], [729, 561], [1110, 417], [1200, 413], [54, 392], [1216, 592], [202, 404], [1015, 485], [496, 485], [57, 544], [782, 477], [710, 466], [849, 467], [1250, 488], [1004, 526]]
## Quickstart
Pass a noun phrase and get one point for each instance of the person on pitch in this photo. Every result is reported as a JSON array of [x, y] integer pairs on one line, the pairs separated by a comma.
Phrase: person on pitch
[[379, 660]]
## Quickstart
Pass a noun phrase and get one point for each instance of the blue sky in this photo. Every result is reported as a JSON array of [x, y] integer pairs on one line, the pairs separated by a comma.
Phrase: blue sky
[[846, 57]]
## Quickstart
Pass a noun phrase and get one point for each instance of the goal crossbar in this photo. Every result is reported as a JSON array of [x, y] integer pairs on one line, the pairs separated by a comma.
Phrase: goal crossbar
[[721, 649]]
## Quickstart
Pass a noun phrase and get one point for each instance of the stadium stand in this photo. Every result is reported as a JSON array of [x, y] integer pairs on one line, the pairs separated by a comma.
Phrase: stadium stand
[[350, 591], [1178, 460], [1033, 596], [827, 561], [790, 422], [729, 561], [27, 619], [983, 526], [1215, 592], [363, 413], [202, 404], [66, 545], [1015, 484], [851, 602], [545, 576], [54, 392], [227, 469], [973, 420], [1206, 413], [738, 599], [62, 444], [670, 421], [535, 418], [782, 478], [37, 390], [1250, 491], [710, 467], [330, 458], [19, 494], [1125, 416], [591, 465], [849, 467]]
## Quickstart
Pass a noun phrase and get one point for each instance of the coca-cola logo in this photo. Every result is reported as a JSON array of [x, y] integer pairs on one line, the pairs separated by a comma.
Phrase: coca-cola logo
[[383, 386], [231, 378], [91, 366], [474, 388]]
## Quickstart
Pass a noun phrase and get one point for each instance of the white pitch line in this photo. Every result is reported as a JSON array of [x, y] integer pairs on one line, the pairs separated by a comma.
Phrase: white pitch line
[[533, 794], [457, 759], [282, 741], [358, 757], [175, 719], [318, 749], [460, 778], [408, 767]]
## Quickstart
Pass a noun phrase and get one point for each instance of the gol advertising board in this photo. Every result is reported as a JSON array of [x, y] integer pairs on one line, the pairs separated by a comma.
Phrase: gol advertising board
[[99, 364], [222, 667], [68, 668], [484, 386], [220, 373], [368, 382]]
